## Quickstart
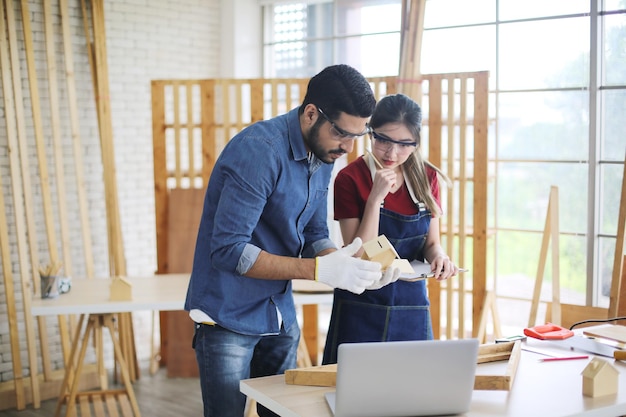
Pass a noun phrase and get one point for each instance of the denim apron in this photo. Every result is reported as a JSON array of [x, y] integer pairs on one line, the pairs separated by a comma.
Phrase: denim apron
[[398, 311]]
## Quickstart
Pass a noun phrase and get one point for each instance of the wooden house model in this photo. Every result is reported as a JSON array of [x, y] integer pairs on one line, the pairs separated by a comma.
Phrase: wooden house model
[[380, 250], [121, 289], [599, 378]]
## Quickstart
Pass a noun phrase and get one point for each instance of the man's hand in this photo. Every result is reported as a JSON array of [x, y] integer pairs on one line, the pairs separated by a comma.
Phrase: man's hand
[[341, 270], [390, 275]]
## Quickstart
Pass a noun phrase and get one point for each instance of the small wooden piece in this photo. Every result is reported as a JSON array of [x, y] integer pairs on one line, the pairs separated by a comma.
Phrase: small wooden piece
[[121, 289], [326, 375], [380, 250], [318, 376], [599, 378]]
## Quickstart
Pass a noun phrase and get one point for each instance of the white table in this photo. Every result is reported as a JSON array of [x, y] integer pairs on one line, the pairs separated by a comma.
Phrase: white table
[[164, 292], [90, 299], [539, 389]]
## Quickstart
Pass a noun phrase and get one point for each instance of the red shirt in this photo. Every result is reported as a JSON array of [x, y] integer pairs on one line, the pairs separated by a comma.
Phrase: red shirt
[[353, 185]]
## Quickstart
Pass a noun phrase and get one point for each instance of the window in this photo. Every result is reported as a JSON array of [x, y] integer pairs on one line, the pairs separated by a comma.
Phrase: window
[[301, 38], [558, 105]]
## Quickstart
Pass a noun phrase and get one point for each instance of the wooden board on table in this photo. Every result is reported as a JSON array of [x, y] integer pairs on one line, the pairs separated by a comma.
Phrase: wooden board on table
[[613, 332], [326, 375]]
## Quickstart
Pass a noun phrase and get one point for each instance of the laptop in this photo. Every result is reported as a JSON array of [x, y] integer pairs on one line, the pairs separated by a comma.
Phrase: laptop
[[412, 378]]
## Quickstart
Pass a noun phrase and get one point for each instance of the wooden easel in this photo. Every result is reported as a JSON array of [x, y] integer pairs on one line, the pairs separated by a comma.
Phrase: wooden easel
[[551, 230]]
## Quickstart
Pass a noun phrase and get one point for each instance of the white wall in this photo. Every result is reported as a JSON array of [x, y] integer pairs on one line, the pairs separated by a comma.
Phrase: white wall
[[241, 42], [146, 40]]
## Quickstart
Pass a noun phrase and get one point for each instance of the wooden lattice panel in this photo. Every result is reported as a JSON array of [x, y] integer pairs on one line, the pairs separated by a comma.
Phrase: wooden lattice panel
[[193, 120]]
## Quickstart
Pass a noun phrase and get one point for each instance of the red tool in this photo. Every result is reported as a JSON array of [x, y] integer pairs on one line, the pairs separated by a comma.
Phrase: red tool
[[548, 331]]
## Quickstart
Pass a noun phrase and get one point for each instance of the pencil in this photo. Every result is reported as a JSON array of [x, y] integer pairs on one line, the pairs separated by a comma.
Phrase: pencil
[[378, 164], [565, 358]]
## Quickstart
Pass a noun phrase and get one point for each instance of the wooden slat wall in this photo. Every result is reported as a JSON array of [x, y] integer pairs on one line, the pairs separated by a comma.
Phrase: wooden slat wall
[[225, 106], [37, 202]]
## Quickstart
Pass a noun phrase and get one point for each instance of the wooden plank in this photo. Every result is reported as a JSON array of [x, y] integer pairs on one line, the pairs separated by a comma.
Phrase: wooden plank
[[480, 201], [550, 232], [45, 189], [434, 156], [83, 406], [319, 376], [160, 177], [98, 406], [77, 143], [178, 175], [103, 105], [111, 402], [209, 149], [613, 332], [21, 229], [451, 213], [185, 210], [125, 406], [462, 203], [191, 169], [617, 305], [554, 237], [7, 274], [55, 120]]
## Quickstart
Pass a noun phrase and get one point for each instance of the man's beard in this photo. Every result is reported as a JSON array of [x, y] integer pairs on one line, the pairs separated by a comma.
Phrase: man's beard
[[313, 142]]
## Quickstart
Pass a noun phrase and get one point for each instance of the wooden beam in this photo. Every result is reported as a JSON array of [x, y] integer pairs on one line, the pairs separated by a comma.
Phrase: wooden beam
[[617, 305]]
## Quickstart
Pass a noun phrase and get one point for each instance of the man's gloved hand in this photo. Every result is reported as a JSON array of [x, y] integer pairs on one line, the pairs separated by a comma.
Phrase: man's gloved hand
[[390, 275], [341, 270]]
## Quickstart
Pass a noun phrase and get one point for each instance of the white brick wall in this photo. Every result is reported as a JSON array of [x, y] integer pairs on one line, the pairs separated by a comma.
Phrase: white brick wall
[[146, 40]]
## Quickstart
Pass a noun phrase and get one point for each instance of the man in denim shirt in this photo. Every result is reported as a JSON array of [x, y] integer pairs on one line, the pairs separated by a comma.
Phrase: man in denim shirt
[[264, 223]]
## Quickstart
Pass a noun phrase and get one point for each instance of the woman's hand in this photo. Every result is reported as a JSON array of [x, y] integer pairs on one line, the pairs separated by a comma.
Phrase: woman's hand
[[384, 180], [443, 267]]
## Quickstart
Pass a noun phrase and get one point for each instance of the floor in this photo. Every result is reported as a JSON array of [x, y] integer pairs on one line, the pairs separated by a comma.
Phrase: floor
[[157, 396]]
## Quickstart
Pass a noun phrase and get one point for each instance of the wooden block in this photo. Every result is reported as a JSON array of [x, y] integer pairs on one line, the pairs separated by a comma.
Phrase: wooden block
[[318, 376], [121, 289]]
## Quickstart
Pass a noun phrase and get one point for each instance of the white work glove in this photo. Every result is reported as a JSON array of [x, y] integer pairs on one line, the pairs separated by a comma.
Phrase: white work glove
[[341, 270], [390, 275]]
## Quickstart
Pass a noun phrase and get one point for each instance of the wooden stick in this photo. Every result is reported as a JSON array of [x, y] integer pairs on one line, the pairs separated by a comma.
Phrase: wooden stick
[[543, 254], [17, 187], [76, 141], [7, 273], [177, 152], [554, 229], [617, 305], [450, 217], [462, 184], [191, 169]]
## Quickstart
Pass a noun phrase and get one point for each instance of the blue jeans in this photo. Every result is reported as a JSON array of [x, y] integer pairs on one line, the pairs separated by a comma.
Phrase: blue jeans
[[225, 357]]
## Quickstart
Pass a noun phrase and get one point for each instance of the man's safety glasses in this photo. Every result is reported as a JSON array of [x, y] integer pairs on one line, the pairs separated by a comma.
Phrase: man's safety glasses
[[338, 133]]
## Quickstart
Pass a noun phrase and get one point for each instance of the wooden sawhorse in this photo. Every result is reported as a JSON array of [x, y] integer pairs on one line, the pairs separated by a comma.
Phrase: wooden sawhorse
[[115, 401]]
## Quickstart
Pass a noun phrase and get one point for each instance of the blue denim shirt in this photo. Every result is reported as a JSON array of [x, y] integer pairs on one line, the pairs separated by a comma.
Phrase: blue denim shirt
[[263, 194]]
